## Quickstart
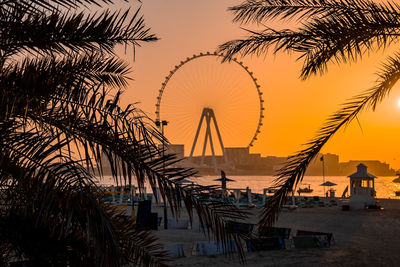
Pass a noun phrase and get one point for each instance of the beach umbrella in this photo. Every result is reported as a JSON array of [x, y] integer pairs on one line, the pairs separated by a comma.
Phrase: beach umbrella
[[223, 181], [328, 183], [226, 180]]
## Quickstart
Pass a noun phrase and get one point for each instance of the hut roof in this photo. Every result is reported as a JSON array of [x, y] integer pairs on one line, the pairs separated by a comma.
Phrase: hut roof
[[362, 173]]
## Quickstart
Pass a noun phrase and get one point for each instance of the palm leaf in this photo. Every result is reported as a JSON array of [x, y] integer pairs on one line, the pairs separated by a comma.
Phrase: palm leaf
[[259, 11], [66, 33], [291, 174], [332, 37]]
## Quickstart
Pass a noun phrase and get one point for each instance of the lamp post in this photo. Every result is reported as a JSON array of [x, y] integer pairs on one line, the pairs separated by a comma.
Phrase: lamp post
[[323, 172], [162, 124]]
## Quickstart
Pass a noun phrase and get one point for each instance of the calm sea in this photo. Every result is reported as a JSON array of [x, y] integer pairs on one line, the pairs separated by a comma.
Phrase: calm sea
[[383, 185]]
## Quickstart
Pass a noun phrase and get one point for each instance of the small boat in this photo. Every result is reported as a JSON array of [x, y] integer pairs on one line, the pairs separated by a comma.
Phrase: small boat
[[397, 181], [305, 190]]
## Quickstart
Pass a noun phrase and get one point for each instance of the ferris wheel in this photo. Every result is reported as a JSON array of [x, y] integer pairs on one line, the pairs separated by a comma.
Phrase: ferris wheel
[[203, 82]]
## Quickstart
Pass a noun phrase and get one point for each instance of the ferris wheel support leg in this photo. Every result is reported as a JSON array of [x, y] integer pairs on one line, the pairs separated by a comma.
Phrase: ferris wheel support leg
[[196, 136], [212, 144], [206, 136], [219, 136]]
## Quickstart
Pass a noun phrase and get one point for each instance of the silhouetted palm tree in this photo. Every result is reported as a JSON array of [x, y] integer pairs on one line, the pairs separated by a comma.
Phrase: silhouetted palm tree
[[58, 70], [330, 31]]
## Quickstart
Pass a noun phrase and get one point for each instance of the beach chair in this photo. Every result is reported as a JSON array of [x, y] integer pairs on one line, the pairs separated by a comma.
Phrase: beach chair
[[280, 232], [333, 202], [175, 250], [195, 225], [269, 238], [178, 223], [207, 248], [329, 236], [240, 228], [311, 241], [20, 264], [265, 243]]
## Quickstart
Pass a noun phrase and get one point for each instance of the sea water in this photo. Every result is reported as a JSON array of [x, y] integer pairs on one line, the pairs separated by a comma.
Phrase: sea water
[[384, 186]]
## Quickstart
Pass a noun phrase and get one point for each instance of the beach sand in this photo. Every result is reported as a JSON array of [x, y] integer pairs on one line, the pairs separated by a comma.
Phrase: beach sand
[[362, 238]]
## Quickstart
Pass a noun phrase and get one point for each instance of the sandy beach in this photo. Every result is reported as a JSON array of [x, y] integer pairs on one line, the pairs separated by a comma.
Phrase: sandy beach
[[362, 238]]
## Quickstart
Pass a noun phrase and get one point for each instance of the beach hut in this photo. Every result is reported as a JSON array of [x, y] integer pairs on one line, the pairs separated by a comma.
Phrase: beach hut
[[362, 188]]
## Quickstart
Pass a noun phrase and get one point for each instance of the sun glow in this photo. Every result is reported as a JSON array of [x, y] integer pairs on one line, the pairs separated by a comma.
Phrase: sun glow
[[398, 103]]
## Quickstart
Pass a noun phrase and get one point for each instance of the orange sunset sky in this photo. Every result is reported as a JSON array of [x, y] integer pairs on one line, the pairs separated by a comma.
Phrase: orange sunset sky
[[294, 109]]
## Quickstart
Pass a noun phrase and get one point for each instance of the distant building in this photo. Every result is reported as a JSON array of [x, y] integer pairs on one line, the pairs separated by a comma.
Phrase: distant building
[[179, 150], [375, 166], [237, 155], [330, 161]]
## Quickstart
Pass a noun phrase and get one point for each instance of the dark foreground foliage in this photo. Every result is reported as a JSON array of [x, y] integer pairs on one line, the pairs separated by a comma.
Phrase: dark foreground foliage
[[60, 85]]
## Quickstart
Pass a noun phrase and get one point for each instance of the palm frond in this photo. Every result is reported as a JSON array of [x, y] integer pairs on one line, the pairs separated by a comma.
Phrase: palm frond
[[259, 43], [33, 82], [289, 176], [50, 5], [66, 33], [335, 37], [258, 11]]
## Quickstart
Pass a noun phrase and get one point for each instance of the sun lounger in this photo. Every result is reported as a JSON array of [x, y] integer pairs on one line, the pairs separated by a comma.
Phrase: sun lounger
[[240, 228], [280, 232], [333, 202], [196, 226], [304, 242], [265, 243], [20, 264], [329, 236], [311, 241], [174, 250], [205, 248], [178, 223], [289, 207], [269, 238]]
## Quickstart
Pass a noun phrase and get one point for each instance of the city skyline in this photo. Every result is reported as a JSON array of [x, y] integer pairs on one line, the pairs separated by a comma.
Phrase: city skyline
[[239, 160]]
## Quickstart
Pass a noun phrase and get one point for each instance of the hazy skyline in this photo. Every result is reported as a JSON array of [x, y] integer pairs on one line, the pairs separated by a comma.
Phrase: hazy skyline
[[295, 109]]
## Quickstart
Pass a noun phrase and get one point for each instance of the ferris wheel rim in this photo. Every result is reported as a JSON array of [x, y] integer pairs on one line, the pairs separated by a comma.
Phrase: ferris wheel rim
[[240, 63]]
